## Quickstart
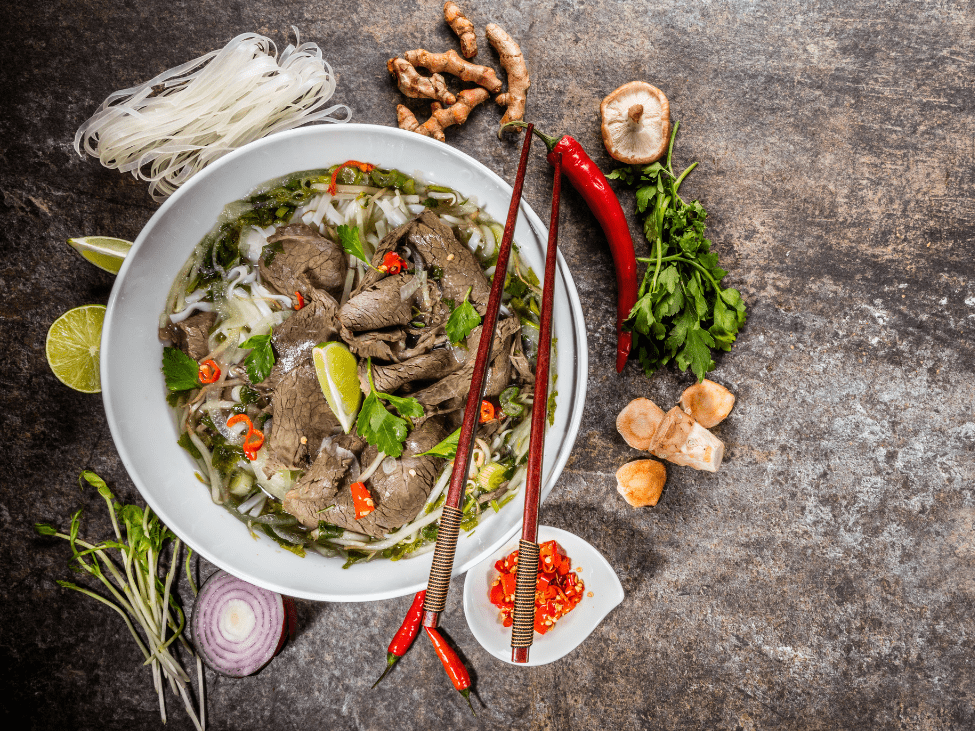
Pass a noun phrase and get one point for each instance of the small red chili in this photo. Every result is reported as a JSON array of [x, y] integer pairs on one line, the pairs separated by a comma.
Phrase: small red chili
[[209, 371], [362, 500], [393, 263], [404, 637], [253, 439], [363, 166], [453, 665], [301, 300], [487, 412], [588, 179]]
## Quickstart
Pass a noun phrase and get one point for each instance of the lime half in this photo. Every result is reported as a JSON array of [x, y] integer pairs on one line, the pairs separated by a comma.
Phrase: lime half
[[73, 347], [102, 251], [336, 368]]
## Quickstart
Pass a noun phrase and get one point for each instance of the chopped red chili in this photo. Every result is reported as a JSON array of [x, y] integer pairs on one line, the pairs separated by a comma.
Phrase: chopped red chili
[[253, 439], [209, 371], [363, 166], [557, 591], [393, 263], [362, 500], [487, 411], [301, 300]]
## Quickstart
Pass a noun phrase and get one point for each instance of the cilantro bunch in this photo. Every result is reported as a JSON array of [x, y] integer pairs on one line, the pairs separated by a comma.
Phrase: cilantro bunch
[[682, 311]]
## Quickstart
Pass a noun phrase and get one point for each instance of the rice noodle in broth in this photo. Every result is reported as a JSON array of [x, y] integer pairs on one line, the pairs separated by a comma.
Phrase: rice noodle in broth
[[275, 267]]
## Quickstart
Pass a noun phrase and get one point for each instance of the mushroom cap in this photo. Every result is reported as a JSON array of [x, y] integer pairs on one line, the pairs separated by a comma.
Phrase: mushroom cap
[[636, 141], [641, 482], [638, 422]]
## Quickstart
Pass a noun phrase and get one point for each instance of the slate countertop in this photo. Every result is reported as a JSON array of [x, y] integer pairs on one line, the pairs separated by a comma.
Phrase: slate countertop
[[823, 579]]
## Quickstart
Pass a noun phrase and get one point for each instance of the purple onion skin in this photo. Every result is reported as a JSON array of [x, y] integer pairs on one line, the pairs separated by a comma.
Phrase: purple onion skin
[[274, 616]]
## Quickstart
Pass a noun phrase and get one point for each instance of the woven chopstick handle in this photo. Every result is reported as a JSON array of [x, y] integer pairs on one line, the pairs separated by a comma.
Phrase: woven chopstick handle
[[443, 560], [523, 626]]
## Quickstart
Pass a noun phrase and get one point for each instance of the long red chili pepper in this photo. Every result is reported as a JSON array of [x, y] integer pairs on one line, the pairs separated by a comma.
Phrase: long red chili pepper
[[453, 665], [405, 635], [586, 177]]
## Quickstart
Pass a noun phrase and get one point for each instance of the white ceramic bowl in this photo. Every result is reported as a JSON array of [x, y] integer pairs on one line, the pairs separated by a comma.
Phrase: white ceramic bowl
[[134, 391], [569, 632]]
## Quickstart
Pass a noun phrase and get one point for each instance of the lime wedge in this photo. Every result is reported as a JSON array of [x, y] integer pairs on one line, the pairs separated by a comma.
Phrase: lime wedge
[[102, 251], [73, 347], [336, 368]]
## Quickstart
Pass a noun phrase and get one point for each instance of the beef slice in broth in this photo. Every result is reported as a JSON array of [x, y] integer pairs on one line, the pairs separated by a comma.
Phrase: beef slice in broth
[[301, 419], [426, 367], [378, 306], [436, 244], [315, 490], [400, 495], [305, 261], [192, 334], [295, 337], [450, 392]]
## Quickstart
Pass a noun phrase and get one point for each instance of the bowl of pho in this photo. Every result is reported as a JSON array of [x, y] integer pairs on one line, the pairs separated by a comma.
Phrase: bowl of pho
[[287, 353]]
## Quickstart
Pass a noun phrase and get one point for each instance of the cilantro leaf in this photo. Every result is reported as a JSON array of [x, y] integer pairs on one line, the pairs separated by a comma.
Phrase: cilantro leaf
[[349, 241], [682, 311], [407, 407], [180, 371], [261, 358], [382, 429], [447, 448], [462, 320]]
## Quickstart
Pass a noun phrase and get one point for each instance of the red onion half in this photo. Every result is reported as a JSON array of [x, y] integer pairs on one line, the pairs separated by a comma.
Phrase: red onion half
[[238, 627]]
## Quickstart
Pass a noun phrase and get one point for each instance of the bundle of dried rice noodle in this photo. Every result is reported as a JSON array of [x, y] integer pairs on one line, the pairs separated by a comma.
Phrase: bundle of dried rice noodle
[[172, 126]]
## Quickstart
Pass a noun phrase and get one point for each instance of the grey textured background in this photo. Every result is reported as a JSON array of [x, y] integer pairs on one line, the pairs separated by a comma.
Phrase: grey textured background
[[823, 579]]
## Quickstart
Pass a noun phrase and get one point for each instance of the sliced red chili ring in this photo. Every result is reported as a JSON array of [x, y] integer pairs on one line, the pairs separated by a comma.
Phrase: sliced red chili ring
[[209, 371]]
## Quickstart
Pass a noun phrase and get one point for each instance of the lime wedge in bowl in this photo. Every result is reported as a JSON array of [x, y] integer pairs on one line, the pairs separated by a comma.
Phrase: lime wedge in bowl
[[104, 252], [337, 371], [74, 347]]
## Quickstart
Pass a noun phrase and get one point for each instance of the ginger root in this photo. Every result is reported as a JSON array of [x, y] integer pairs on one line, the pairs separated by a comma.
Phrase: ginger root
[[464, 29], [413, 85], [441, 118], [450, 62], [514, 64]]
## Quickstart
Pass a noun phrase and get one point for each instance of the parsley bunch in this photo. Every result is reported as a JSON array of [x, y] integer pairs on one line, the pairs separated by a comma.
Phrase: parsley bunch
[[682, 311]]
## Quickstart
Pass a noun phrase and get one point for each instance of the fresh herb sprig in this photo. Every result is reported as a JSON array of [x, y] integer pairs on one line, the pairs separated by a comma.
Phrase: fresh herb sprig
[[462, 320], [381, 428], [350, 243], [682, 311], [138, 594], [260, 360], [180, 371]]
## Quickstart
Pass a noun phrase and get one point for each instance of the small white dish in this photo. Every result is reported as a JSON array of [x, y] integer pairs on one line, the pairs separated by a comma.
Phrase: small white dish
[[601, 583]]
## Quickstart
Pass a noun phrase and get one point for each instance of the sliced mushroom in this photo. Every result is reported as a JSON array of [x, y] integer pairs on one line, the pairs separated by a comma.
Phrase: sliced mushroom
[[707, 402], [641, 482], [681, 440], [636, 123], [638, 422]]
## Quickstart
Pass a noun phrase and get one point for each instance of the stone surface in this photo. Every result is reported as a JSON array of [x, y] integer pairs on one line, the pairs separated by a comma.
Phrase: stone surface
[[822, 579]]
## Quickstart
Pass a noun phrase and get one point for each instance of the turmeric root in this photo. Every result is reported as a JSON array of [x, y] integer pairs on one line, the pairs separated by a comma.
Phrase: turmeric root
[[513, 63], [451, 63], [419, 87], [441, 118], [462, 27]]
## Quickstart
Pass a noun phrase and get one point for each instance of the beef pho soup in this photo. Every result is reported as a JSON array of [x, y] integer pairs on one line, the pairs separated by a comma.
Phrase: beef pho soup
[[399, 273]]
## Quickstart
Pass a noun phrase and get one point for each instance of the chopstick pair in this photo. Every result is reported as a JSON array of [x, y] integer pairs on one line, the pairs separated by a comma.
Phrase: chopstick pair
[[443, 557]]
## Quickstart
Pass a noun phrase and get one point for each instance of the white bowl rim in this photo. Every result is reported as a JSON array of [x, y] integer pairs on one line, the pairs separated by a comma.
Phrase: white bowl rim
[[109, 346]]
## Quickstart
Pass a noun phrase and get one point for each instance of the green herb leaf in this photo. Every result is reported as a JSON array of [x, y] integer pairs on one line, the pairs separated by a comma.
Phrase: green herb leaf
[[408, 407], [180, 371], [682, 312], [462, 320], [383, 430], [261, 358], [447, 448], [349, 241]]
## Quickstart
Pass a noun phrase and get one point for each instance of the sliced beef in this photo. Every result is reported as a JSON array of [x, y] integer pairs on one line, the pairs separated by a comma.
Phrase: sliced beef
[[192, 334], [398, 495], [305, 261], [379, 344], [426, 367], [450, 392], [300, 412], [315, 491], [295, 337], [520, 362], [436, 244], [379, 306]]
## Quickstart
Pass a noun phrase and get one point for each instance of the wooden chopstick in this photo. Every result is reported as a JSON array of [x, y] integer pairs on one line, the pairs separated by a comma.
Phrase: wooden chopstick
[[523, 625], [450, 518]]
